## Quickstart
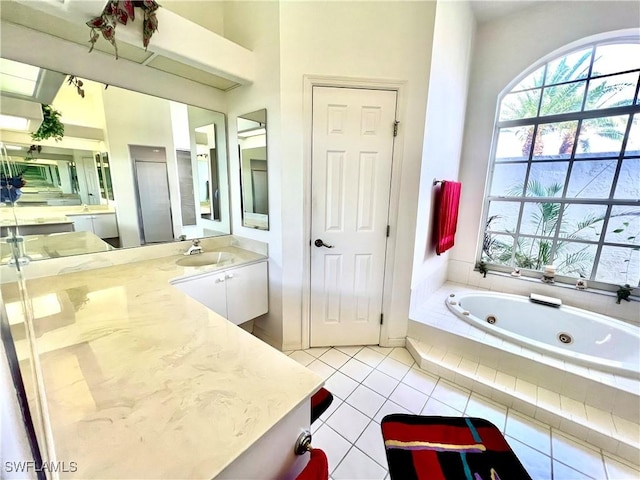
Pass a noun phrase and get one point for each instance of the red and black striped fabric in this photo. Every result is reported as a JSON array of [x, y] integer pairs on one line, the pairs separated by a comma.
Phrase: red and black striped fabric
[[320, 401], [448, 448]]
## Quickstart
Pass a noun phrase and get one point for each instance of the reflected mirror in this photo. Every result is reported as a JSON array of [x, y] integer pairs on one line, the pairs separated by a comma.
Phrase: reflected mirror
[[129, 170], [252, 151]]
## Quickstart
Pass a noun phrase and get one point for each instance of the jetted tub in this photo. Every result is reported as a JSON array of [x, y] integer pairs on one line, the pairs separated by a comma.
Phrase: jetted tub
[[566, 332]]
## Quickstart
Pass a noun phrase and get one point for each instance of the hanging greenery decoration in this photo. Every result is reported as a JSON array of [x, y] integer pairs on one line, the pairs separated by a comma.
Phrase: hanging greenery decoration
[[51, 126], [120, 11]]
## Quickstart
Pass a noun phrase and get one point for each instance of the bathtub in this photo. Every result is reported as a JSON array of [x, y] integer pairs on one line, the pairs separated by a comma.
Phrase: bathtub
[[567, 333]]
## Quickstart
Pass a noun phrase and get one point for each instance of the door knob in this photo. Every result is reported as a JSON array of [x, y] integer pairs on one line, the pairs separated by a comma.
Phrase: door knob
[[320, 243]]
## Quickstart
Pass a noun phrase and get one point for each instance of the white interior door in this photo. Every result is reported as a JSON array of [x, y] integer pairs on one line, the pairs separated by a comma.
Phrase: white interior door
[[153, 198], [352, 154]]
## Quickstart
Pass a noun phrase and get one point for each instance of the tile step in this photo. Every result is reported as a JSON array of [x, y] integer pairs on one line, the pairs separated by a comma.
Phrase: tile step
[[597, 427]]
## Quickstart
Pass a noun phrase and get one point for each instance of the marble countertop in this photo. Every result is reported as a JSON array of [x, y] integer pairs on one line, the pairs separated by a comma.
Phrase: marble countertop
[[52, 245], [144, 382]]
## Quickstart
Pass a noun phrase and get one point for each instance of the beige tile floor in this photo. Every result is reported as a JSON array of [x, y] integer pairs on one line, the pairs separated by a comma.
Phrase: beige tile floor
[[371, 382]]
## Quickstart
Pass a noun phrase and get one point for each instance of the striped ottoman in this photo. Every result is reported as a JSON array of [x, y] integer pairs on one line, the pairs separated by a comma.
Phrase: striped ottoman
[[448, 448]]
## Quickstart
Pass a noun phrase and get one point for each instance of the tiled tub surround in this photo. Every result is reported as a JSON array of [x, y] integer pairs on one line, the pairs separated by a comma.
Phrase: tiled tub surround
[[590, 299], [599, 407], [562, 331], [142, 381]]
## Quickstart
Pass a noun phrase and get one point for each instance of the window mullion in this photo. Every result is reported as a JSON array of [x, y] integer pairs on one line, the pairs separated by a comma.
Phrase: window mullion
[[567, 117], [635, 97], [554, 239], [596, 260], [538, 124], [516, 234]]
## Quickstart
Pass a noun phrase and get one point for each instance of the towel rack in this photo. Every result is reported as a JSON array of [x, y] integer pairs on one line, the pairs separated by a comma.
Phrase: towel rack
[[436, 181], [303, 443]]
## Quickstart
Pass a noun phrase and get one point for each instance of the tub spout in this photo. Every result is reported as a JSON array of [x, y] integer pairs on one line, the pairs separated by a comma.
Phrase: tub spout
[[544, 300]]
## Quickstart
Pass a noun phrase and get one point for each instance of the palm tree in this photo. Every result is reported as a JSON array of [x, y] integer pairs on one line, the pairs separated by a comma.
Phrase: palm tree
[[566, 97], [535, 253], [563, 94]]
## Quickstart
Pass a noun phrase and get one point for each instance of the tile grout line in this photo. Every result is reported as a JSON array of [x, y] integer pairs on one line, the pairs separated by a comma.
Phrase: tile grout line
[[599, 451], [371, 420]]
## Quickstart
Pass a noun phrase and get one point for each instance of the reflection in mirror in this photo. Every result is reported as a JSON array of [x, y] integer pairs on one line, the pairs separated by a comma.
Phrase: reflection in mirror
[[82, 193], [252, 150]]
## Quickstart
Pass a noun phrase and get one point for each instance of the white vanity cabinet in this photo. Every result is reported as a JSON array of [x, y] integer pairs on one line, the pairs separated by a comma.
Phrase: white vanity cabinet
[[239, 294], [103, 225]]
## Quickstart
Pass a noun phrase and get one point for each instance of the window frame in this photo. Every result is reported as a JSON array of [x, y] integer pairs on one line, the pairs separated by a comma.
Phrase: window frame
[[632, 111]]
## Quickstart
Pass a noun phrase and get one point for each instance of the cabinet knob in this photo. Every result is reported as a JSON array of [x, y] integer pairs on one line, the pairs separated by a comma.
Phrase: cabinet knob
[[219, 279], [229, 275]]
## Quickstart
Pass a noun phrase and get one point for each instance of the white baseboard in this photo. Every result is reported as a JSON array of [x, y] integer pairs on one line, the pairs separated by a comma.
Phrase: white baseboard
[[394, 342]]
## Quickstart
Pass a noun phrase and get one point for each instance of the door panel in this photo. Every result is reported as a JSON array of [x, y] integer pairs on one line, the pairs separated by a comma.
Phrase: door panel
[[247, 292], [352, 155], [155, 207]]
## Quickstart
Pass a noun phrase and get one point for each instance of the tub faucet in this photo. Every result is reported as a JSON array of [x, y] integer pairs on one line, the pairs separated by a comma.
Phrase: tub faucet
[[195, 248]]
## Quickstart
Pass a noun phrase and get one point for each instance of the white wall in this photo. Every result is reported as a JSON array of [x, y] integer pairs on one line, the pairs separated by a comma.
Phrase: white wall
[[256, 26], [448, 84], [504, 48], [372, 40], [134, 119]]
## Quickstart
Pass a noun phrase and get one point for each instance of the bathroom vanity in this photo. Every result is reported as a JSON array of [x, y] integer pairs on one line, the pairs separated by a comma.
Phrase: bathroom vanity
[[142, 381], [226, 291], [98, 220], [101, 224]]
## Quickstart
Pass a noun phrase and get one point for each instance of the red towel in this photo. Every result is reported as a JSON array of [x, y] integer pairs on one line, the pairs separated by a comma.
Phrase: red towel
[[317, 468], [447, 215], [320, 401]]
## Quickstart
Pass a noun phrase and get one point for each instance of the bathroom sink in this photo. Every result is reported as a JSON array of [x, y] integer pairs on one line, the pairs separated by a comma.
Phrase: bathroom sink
[[203, 259]]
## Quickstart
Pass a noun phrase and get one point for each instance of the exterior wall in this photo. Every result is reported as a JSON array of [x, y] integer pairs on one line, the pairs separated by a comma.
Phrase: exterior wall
[[448, 84]]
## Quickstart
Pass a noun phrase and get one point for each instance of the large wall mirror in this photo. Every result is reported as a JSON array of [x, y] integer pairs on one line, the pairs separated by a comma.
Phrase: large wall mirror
[[252, 150], [129, 170]]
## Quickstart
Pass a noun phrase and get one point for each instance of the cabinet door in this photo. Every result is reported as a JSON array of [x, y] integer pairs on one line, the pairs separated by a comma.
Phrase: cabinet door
[[247, 292], [81, 223], [105, 226], [210, 291]]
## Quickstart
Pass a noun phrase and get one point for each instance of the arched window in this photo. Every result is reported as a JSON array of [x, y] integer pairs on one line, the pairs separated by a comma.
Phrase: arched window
[[565, 173]]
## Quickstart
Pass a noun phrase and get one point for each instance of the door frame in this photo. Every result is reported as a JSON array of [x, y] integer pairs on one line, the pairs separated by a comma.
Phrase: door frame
[[399, 87]]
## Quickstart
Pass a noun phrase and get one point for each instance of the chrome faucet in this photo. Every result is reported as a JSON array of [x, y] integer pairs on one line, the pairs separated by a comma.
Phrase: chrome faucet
[[195, 247]]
